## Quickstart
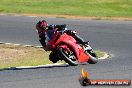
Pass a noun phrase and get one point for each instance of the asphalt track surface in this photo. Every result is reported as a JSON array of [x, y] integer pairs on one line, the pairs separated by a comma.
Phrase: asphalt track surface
[[114, 37]]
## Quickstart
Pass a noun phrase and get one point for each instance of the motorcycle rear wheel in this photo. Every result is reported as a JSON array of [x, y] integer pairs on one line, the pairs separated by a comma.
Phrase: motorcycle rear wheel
[[53, 57], [69, 58]]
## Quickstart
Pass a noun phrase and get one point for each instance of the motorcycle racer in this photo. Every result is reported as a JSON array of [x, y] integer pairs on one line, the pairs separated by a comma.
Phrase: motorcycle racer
[[46, 31]]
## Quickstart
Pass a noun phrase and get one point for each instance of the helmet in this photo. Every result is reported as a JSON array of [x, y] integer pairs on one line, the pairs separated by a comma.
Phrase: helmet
[[41, 26]]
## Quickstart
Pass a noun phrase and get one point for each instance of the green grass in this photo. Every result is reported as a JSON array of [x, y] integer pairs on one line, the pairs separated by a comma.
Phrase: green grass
[[99, 53], [99, 8], [13, 56]]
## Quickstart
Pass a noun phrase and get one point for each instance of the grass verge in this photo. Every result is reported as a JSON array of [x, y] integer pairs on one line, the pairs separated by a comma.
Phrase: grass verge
[[96, 8], [14, 56]]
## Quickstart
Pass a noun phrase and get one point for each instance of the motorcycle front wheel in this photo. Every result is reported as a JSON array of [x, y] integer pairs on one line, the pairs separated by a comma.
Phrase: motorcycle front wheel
[[69, 58], [93, 59]]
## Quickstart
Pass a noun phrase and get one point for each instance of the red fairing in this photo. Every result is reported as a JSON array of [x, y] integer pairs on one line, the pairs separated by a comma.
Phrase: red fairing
[[69, 40], [64, 47], [81, 56]]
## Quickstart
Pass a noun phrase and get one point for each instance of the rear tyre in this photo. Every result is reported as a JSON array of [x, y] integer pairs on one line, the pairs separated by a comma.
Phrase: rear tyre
[[53, 57], [69, 58]]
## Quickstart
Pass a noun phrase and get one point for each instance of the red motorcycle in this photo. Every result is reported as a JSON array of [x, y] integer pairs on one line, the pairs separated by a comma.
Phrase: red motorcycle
[[65, 47]]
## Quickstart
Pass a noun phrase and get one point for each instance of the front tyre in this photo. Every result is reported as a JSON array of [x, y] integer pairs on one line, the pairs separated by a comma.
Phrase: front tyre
[[92, 57], [69, 57]]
